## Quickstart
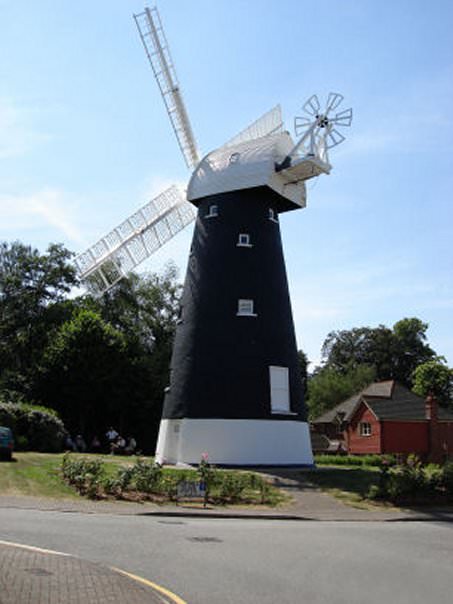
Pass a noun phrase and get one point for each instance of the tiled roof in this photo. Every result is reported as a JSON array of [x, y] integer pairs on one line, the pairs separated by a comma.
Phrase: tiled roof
[[380, 389], [388, 400], [410, 408], [347, 407]]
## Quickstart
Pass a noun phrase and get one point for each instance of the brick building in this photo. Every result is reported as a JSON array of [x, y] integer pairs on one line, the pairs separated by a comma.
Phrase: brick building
[[386, 417]]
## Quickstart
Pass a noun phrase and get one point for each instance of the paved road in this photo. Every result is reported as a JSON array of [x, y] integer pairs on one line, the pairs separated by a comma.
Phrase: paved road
[[245, 561]]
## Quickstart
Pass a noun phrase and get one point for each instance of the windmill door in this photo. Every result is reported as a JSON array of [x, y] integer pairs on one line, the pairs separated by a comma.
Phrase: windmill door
[[279, 383]]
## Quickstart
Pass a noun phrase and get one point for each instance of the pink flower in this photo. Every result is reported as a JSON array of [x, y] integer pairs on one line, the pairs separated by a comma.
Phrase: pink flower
[[204, 456]]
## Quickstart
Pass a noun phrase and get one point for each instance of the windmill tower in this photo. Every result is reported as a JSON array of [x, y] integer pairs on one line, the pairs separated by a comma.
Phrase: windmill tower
[[235, 390]]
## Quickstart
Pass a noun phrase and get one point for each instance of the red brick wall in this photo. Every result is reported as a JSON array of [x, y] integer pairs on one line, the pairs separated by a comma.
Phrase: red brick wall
[[446, 438], [405, 437], [364, 444]]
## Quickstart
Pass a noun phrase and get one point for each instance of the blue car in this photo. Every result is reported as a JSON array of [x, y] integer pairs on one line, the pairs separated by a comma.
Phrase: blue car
[[6, 443]]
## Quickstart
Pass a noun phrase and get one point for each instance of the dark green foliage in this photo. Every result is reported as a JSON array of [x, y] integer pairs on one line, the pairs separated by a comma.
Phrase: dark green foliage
[[303, 365], [394, 353], [84, 373], [98, 362], [447, 478], [328, 387], [413, 482], [32, 291], [35, 428]]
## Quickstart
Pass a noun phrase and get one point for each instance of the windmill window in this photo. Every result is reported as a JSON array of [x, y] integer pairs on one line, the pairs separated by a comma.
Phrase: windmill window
[[246, 308], [244, 240], [365, 429], [272, 215], [213, 211]]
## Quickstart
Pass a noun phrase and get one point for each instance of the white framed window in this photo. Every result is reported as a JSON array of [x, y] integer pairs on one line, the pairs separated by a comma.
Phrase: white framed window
[[213, 211], [279, 385], [365, 429], [245, 308], [244, 240], [272, 215]]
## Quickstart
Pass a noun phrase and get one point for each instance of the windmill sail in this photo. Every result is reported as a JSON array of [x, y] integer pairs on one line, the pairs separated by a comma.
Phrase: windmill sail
[[269, 123], [156, 47], [120, 251]]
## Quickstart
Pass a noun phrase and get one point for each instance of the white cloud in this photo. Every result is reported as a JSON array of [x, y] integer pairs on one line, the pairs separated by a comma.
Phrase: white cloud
[[17, 135], [47, 208]]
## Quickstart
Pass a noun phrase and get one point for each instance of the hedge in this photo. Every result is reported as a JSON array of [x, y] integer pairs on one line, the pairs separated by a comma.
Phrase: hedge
[[35, 428]]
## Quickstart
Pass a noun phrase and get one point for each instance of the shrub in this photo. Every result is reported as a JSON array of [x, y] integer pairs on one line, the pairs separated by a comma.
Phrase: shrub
[[433, 477], [232, 487], [208, 474], [146, 476], [86, 475], [447, 478], [34, 427]]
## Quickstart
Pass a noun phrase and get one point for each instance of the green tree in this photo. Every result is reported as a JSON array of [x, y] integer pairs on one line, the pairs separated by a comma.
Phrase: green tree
[[434, 377], [328, 387], [124, 386], [146, 310], [33, 287], [86, 372], [394, 353], [303, 366], [410, 348]]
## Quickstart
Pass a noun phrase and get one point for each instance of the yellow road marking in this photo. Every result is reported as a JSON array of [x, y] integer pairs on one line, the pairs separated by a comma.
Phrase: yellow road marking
[[162, 590]]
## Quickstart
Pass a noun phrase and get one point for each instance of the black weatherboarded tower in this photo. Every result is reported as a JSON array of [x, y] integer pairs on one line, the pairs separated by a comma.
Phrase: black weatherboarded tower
[[235, 388]]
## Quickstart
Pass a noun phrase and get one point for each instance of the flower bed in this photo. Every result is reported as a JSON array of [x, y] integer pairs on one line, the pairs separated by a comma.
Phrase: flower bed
[[146, 481]]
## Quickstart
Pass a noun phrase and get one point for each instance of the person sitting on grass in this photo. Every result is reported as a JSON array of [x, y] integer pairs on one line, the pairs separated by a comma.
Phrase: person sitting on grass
[[80, 444], [117, 447]]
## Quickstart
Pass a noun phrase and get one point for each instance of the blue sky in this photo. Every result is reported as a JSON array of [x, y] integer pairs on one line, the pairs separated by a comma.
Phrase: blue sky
[[85, 140]]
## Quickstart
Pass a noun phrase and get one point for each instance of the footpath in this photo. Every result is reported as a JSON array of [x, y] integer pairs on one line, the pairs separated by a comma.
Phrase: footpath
[[31, 575]]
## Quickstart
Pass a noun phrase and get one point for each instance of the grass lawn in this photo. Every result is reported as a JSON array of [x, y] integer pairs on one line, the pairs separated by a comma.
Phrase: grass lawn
[[38, 474], [350, 484]]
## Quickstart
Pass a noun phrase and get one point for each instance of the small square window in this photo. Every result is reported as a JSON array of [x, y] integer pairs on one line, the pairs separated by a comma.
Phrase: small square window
[[213, 211], [365, 429], [272, 215], [244, 240], [245, 308]]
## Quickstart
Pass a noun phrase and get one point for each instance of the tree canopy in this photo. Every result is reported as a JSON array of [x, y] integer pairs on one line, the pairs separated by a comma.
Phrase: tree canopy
[[434, 377], [328, 387], [97, 361], [394, 353], [33, 288]]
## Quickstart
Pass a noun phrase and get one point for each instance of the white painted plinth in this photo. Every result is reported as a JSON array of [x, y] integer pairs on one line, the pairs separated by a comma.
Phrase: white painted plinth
[[234, 442]]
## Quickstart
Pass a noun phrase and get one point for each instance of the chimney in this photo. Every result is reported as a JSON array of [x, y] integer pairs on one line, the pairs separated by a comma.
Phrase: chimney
[[431, 408], [431, 414]]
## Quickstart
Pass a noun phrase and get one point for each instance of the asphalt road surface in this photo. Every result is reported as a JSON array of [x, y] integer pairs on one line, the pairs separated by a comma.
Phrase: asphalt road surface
[[215, 561]]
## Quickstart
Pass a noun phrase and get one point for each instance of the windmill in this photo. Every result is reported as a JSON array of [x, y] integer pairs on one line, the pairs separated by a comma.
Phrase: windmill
[[235, 389]]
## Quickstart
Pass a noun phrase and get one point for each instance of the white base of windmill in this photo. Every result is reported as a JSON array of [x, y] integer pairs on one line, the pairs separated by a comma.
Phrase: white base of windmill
[[234, 442]]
